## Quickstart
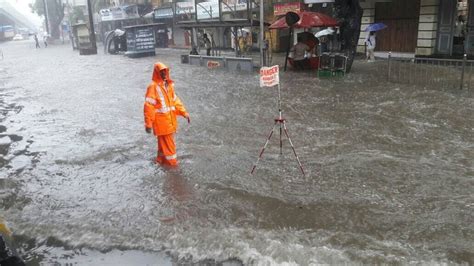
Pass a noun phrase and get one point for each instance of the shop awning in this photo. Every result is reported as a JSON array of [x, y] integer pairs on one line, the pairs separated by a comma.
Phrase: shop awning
[[307, 20]]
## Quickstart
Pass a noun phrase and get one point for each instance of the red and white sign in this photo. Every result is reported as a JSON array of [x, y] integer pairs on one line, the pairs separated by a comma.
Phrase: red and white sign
[[213, 64], [269, 76]]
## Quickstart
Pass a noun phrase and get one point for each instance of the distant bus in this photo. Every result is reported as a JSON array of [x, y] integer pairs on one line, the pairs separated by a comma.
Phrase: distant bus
[[6, 32]]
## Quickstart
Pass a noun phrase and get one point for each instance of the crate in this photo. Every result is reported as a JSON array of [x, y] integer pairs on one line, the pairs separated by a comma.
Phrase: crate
[[338, 73], [324, 73]]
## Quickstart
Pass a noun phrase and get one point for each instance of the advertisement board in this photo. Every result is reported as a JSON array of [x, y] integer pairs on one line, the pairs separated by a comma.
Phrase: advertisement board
[[318, 1], [283, 8], [207, 9]]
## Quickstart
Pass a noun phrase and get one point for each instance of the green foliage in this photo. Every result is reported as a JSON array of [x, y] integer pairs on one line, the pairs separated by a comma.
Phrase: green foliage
[[76, 15], [55, 13], [99, 4], [37, 7]]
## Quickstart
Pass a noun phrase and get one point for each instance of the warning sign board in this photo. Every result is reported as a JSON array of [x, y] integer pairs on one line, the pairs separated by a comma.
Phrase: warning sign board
[[213, 64], [269, 76]]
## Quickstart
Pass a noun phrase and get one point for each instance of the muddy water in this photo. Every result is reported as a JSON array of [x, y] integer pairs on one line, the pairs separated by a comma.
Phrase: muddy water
[[389, 167]]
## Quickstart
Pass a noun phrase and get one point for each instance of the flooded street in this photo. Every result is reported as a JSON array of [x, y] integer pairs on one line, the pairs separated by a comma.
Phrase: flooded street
[[390, 167]]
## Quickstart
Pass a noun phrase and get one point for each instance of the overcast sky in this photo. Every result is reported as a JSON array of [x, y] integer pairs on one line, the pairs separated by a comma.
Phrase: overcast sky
[[22, 7]]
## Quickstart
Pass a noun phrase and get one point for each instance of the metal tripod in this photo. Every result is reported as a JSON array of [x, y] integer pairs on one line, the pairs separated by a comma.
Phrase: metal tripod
[[282, 122]]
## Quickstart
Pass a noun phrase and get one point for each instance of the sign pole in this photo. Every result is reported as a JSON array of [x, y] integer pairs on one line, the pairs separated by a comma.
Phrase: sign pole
[[280, 118], [91, 28], [46, 20], [262, 33], [269, 77], [289, 47]]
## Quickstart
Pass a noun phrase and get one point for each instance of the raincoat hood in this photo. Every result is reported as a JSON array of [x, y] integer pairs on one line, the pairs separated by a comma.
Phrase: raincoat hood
[[156, 73]]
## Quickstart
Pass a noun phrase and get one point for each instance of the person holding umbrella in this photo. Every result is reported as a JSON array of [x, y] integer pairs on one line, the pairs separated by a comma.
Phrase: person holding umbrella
[[370, 39], [323, 39], [370, 42]]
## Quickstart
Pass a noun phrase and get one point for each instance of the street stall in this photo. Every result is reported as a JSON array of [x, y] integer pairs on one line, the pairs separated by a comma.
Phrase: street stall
[[304, 20]]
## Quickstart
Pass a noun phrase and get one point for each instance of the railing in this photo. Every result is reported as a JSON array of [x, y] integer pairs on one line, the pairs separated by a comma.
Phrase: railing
[[445, 73]]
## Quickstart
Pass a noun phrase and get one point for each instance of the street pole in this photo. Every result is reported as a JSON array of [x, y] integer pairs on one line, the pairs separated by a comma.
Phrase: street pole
[[46, 20], [92, 31], [173, 4], [262, 34]]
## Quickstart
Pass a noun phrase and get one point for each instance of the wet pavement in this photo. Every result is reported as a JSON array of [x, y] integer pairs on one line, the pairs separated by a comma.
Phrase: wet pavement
[[389, 167]]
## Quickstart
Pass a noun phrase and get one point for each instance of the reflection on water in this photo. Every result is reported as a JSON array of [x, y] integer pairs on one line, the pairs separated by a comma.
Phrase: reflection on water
[[177, 196], [389, 167]]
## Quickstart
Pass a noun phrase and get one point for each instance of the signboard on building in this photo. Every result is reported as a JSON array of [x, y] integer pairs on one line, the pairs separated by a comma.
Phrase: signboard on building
[[207, 9], [185, 8], [318, 1], [233, 5], [163, 13], [282, 9], [115, 13], [269, 76]]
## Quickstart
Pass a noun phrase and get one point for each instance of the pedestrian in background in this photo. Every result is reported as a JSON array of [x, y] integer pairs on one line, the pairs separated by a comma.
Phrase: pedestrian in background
[[370, 42], [459, 31], [36, 41], [323, 43], [248, 43], [300, 62], [45, 39], [160, 110], [242, 45], [207, 44]]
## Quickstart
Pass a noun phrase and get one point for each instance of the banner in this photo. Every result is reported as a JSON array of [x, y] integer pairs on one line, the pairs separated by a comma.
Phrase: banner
[[269, 76], [318, 1], [207, 9], [283, 8]]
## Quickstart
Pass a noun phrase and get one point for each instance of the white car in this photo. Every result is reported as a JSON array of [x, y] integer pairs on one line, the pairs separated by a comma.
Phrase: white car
[[18, 37]]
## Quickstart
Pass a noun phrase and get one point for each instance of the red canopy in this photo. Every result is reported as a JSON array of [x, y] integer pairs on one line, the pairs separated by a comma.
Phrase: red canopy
[[307, 20]]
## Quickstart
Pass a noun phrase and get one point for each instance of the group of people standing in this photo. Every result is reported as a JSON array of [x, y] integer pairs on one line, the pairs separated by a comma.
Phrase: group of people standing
[[206, 42], [244, 44]]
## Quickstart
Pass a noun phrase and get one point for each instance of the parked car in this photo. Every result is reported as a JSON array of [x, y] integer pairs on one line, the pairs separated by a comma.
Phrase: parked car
[[17, 37]]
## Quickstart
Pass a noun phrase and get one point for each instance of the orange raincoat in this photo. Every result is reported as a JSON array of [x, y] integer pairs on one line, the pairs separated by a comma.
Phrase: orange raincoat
[[161, 108]]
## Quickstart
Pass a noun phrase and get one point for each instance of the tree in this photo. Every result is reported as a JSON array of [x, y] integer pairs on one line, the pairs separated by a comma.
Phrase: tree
[[55, 14], [349, 15], [99, 4], [76, 15]]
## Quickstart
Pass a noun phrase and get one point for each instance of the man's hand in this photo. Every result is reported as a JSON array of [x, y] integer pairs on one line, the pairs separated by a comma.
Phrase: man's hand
[[187, 118], [148, 130]]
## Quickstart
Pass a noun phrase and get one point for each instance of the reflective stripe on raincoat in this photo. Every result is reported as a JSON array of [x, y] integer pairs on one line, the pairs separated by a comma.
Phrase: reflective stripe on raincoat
[[161, 104]]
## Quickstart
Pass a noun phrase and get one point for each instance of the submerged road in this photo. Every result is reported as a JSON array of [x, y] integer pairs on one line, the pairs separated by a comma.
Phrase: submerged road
[[390, 169]]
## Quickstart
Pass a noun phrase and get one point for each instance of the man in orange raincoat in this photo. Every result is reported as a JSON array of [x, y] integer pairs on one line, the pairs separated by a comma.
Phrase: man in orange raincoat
[[161, 108]]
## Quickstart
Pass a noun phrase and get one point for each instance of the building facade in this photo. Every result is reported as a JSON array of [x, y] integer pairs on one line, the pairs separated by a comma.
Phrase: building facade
[[423, 28]]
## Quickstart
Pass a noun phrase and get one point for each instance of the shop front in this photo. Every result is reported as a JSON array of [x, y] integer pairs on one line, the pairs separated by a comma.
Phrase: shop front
[[165, 15], [455, 28]]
